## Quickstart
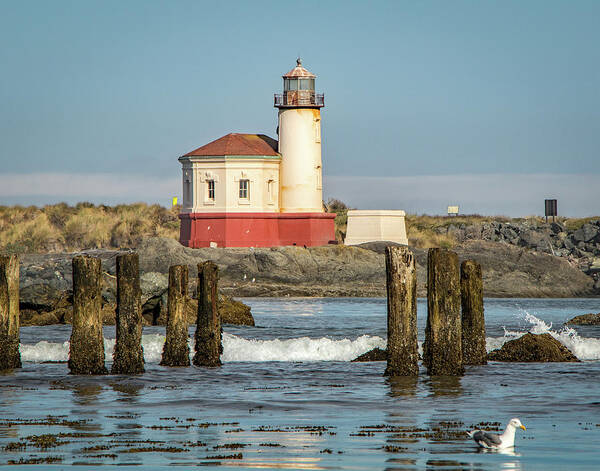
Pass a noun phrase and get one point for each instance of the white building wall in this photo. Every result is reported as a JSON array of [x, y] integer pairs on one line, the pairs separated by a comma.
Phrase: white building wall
[[300, 148], [262, 174]]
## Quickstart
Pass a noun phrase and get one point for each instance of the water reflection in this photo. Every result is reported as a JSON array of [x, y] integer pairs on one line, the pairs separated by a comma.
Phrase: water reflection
[[449, 465], [403, 386], [127, 392], [86, 395], [444, 385], [512, 464]]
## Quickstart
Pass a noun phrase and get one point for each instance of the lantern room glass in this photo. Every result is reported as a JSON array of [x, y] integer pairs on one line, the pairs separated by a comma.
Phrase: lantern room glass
[[293, 84]]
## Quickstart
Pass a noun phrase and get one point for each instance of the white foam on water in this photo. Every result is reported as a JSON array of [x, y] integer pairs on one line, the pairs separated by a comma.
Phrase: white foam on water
[[44, 351], [234, 349], [584, 348], [237, 348], [300, 349]]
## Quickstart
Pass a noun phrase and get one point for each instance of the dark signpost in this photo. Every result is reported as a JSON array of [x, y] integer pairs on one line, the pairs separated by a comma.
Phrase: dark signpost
[[551, 209]]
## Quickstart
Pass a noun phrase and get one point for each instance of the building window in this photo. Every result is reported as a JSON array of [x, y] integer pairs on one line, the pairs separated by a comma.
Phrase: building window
[[245, 189], [319, 176], [210, 186], [187, 191], [317, 130], [270, 192]]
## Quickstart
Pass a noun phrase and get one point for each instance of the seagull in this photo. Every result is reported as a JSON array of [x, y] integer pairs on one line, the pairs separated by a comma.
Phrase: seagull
[[493, 440]]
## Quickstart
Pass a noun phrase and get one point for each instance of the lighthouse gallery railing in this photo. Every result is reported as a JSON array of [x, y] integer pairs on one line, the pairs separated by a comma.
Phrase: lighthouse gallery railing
[[299, 99]]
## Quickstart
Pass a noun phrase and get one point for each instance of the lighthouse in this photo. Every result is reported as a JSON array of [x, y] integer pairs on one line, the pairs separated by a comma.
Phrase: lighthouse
[[249, 190], [299, 129]]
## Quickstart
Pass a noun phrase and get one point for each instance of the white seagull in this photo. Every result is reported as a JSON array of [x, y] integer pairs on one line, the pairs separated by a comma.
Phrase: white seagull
[[493, 440]]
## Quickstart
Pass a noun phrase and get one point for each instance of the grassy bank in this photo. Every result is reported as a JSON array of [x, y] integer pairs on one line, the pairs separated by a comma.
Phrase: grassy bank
[[61, 228]]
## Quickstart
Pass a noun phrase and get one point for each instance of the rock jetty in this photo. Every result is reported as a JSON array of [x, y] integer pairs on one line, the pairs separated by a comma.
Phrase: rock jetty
[[581, 246]]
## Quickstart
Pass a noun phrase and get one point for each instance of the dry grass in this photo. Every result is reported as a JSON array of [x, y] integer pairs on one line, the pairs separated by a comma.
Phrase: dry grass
[[60, 227], [340, 209]]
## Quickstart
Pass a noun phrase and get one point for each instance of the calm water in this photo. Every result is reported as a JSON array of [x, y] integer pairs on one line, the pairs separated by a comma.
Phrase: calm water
[[288, 397]]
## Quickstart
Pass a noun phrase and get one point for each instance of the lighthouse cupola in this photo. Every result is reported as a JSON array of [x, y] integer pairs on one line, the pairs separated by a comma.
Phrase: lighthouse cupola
[[299, 129], [299, 89]]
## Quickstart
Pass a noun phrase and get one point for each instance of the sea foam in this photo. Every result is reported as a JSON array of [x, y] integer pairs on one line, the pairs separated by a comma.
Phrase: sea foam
[[584, 348], [236, 348]]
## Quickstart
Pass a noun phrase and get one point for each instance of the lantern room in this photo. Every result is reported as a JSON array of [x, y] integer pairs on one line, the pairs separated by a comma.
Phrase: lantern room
[[299, 89]]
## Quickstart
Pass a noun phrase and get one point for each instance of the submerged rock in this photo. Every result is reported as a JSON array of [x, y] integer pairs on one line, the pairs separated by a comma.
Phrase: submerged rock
[[377, 354], [231, 311], [533, 348], [585, 319]]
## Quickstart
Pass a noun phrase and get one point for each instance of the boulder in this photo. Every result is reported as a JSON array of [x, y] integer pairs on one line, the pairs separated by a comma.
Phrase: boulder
[[585, 319], [153, 285], [586, 233], [31, 317], [232, 312], [533, 239], [595, 265], [557, 227], [377, 354], [533, 348]]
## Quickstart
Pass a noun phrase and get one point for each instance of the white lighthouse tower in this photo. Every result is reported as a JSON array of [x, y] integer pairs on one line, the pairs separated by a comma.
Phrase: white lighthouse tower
[[301, 187]]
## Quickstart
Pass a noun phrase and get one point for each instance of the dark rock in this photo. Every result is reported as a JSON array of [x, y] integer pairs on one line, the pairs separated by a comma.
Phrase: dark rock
[[533, 239], [377, 354], [594, 265], [568, 244], [231, 312], [234, 312], [533, 348], [585, 319], [473, 232], [30, 317], [586, 233], [509, 233], [556, 227]]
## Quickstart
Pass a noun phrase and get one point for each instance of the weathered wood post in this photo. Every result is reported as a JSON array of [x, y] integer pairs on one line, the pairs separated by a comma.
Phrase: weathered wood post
[[176, 351], [208, 325], [442, 350], [473, 321], [128, 355], [86, 353], [10, 357], [403, 350]]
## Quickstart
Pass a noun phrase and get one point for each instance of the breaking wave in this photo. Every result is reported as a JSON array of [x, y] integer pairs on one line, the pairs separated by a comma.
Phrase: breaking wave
[[237, 349], [584, 348], [234, 349]]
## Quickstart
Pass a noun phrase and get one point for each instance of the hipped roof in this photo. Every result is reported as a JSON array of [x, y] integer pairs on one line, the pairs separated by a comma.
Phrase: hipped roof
[[238, 144]]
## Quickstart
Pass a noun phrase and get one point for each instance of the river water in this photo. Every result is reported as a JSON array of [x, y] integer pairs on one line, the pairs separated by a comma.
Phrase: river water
[[288, 397]]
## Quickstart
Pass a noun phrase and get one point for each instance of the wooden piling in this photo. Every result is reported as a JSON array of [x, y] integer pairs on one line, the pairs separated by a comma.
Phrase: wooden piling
[[403, 350], [10, 357], [442, 350], [473, 321], [176, 351], [86, 355], [208, 325], [128, 356]]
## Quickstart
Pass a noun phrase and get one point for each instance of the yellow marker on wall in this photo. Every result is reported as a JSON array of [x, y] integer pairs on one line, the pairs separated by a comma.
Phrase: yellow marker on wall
[[174, 200]]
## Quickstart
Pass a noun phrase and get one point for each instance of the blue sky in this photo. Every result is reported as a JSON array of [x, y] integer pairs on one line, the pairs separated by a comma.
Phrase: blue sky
[[505, 93]]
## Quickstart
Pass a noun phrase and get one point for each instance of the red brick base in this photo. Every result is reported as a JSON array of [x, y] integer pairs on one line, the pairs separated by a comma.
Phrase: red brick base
[[256, 229]]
